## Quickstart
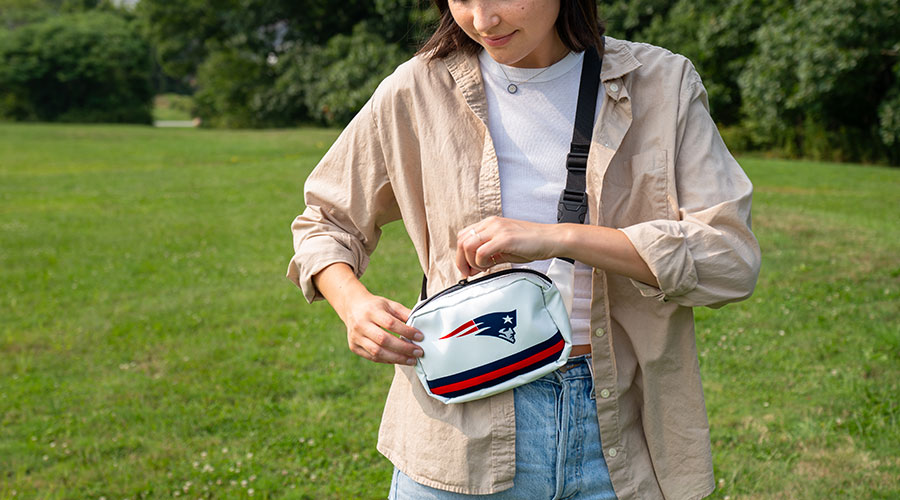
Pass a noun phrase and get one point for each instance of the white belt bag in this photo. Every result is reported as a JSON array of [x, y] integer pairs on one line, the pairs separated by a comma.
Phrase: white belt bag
[[491, 334]]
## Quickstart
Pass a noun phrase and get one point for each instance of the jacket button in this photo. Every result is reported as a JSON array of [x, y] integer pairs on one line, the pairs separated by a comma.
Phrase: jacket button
[[614, 87], [604, 393], [613, 452], [599, 332]]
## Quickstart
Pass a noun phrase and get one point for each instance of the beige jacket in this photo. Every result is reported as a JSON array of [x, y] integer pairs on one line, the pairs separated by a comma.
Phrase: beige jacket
[[420, 150]]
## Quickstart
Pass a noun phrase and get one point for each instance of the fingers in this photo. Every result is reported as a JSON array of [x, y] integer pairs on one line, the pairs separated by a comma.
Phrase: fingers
[[496, 240], [395, 322], [370, 333], [400, 311], [385, 348], [470, 258]]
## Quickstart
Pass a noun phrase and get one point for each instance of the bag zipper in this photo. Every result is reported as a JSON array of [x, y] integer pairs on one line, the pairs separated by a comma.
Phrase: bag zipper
[[464, 283]]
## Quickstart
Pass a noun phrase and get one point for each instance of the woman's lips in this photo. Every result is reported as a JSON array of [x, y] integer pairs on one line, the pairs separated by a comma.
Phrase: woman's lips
[[497, 41]]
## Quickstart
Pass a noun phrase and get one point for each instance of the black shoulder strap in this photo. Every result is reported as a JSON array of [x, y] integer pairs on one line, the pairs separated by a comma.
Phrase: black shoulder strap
[[573, 199]]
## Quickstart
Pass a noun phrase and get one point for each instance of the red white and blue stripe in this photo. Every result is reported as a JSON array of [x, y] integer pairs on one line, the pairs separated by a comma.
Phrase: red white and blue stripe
[[499, 371]]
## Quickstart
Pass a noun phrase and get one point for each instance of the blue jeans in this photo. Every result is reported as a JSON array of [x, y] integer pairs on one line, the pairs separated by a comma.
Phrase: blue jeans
[[558, 451]]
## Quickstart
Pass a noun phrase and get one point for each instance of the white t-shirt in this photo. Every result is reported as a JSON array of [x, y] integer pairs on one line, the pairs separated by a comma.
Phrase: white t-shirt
[[532, 132]]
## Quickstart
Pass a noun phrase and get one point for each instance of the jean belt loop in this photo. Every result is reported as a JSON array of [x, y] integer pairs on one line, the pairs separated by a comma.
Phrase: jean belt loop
[[590, 362]]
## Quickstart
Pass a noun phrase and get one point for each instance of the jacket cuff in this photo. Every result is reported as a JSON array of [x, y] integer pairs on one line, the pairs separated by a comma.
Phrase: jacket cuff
[[316, 253], [663, 247]]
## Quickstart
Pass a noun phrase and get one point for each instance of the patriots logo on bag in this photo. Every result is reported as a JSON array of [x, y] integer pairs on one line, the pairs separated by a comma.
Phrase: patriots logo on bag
[[498, 324]]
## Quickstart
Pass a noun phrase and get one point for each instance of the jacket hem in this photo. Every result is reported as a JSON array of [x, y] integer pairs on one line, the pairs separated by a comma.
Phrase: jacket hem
[[432, 483], [703, 493]]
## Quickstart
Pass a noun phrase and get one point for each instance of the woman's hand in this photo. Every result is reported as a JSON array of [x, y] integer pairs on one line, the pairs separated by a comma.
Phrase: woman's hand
[[370, 323], [496, 239], [371, 320]]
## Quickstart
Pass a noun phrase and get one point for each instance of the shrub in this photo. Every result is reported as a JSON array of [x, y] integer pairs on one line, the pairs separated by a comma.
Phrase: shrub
[[84, 67], [340, 77], [229, 82], [816, 83], [889, 116], [305, 82]]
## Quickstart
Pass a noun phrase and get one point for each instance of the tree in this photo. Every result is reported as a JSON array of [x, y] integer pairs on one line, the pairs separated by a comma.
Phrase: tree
[[820, 75], [261, 63], [90, 66], [716, 36], [186, 32]]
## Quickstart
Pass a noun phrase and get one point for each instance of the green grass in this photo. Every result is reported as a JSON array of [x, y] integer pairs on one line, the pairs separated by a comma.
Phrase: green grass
[[150, 344]]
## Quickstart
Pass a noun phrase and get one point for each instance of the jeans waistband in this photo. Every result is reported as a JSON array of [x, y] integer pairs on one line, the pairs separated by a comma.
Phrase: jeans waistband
[[578, 366]]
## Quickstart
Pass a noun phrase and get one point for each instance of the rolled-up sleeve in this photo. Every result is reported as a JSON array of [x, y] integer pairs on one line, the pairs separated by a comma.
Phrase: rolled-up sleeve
[[348, 198], [709, 255]]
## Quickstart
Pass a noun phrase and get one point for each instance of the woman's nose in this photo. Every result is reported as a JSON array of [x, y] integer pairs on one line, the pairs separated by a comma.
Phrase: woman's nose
[[484, 17]]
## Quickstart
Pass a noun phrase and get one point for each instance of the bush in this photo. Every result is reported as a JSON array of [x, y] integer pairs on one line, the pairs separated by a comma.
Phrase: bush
[[85, 67], [889, 116], [338, 79], [325, 84], [816, 82], [229, 83]]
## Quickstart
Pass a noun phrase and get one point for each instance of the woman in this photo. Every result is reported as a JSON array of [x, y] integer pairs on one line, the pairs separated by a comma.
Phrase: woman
[[466, 143]]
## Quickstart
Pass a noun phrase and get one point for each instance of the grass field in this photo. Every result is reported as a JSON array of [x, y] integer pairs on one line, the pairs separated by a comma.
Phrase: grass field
[[151, 347]]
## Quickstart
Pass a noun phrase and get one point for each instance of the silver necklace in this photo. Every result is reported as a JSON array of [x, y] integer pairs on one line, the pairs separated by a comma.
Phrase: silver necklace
[[513, 87]]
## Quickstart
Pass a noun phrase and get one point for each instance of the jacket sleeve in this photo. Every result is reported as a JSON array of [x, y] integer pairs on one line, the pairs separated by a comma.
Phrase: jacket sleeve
[[348, 198], [709, 255]]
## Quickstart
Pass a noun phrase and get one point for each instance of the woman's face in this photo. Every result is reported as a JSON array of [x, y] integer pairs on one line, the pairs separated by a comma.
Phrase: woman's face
[[518, 33]]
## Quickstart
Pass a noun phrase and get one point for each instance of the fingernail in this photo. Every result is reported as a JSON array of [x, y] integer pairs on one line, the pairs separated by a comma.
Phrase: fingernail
[[418, 352], [419, 336], [411, 361]]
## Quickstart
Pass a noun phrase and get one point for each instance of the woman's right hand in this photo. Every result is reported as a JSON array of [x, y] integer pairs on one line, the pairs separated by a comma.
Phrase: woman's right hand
[[371, 320]]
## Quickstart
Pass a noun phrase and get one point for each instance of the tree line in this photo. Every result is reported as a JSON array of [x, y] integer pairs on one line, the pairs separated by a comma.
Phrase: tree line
[[813, 78]]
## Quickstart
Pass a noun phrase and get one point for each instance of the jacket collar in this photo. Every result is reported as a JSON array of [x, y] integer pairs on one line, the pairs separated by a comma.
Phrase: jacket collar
[[618, 60]]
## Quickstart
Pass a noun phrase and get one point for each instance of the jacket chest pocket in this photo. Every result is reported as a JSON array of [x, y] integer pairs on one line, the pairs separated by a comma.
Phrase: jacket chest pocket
[[637, 190]]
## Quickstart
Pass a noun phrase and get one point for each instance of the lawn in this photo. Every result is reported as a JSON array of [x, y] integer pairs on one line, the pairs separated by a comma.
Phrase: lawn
[[151, 347]]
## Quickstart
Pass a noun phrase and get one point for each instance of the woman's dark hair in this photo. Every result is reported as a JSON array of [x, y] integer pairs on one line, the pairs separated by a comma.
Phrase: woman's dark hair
[[577, 25]]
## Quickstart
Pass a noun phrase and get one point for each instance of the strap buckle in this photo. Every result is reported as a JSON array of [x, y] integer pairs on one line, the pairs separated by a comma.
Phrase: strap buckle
[[576, 160], [572, 206]]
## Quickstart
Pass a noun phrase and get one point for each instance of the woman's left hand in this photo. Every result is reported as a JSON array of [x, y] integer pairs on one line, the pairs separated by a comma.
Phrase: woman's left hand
[[496, 240]]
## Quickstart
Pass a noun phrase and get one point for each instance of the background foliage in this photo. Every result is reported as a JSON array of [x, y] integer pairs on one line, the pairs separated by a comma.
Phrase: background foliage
[[818, 78], [76, 67]]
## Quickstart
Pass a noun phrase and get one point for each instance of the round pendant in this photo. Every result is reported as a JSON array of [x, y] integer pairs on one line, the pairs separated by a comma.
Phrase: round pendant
[[512, 88]]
